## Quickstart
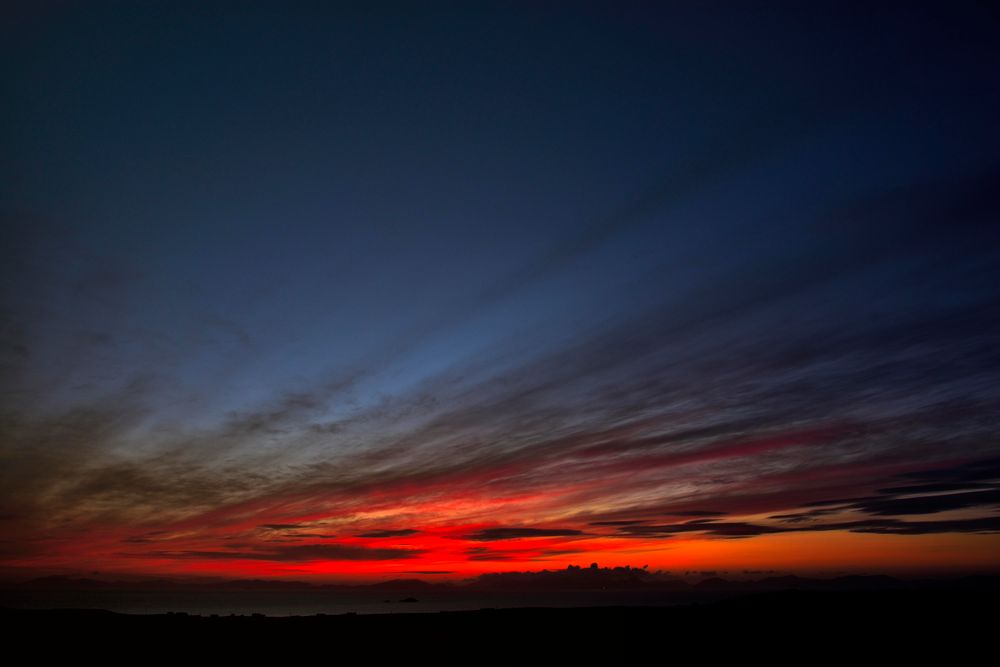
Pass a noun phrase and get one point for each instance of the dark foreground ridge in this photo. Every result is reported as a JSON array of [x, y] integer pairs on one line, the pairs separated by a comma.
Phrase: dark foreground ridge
[[951, 623]]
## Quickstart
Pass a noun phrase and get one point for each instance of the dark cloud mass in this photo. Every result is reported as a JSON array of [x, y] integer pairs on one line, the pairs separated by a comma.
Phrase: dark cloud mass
[[495, 534], [402, 532], [893, 502]]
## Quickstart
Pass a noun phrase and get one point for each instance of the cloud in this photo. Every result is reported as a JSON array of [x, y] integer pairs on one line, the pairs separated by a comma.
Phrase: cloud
[[971, 485], [802, 517], [292, 554], [970, 472], [882, 509], [496, 534], [879, 526], [378, 534], [895, 527], [895, 506], [723, 529], [616, 523]]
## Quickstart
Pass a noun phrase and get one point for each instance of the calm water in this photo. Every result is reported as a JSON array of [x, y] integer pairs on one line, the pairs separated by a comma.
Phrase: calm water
[[285, 603]]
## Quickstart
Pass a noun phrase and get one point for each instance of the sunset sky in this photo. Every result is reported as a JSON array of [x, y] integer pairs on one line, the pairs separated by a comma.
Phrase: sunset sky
[[428, 290]]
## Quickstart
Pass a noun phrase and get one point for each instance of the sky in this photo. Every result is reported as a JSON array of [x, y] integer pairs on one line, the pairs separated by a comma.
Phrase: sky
[[336, 291]]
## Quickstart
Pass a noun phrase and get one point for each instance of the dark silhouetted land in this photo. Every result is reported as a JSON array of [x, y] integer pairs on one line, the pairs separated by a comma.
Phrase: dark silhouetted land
[[800, 624]]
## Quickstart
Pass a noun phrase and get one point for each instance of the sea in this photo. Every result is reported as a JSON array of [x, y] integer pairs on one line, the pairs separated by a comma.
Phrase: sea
[[309, 603]]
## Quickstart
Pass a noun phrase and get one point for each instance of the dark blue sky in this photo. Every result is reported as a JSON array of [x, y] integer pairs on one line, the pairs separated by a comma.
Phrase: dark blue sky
[[255, 248]]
